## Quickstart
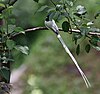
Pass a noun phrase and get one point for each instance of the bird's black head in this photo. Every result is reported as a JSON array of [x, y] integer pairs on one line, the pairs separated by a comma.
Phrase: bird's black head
[[48, 17]]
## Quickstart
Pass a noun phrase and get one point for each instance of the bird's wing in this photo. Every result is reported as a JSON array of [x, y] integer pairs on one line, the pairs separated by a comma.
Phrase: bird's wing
[[55, 27], [52, 25]]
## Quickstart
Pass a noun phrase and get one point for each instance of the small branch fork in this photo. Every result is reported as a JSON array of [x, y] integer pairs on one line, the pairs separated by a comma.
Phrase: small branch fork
[[44, 28]]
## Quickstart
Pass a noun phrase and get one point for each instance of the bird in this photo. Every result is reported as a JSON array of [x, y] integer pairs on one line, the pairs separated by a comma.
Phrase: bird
[[51, 24]]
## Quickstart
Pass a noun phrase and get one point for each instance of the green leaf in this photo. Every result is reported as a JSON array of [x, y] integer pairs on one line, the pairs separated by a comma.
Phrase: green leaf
[[69, 3], [7, 12], [19, 29], [50, 10], [10, 44], [90, 23], [52, 15], [87, 48], [94, 29], [81, 10], [96, 15], [65, 26], [78, 49], [11, 21], [4, 1], [94, 40], [7, 59], [11, 28], [36, 1], [58, 18], [96, 47], [43, 8], [1, 16], [76, 36], [23, 49], [59, 7], [84, 30], [2, 5], [5, 72]]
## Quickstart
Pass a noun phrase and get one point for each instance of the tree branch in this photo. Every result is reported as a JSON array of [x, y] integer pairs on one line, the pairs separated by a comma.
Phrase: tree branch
[[44, 28]]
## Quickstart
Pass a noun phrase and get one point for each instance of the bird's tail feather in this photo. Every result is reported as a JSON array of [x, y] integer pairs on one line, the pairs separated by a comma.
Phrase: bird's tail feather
[[74, 60]]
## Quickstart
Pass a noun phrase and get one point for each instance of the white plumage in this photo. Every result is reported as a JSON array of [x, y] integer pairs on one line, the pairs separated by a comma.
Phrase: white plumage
[[52, 25]]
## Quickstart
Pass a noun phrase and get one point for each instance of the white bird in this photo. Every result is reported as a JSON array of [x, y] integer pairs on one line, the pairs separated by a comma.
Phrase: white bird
[[50, 24]]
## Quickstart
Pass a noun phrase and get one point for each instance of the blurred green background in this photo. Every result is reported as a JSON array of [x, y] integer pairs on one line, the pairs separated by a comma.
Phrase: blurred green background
[[49, 70]]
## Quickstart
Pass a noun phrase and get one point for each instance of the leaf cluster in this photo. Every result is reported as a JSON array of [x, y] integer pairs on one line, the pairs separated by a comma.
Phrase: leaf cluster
[[76, 18], [7, 44], [8, 27]]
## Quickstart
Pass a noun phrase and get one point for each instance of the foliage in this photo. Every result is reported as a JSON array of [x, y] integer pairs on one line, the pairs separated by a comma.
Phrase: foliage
[[65, 26], [9, 28], [7, 44], [74, 18]]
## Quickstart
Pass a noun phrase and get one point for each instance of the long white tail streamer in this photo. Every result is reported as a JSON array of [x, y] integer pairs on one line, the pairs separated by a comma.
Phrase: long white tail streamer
[[74, 60]]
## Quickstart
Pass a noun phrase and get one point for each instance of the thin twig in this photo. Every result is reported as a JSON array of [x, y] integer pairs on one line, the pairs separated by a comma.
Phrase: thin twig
[[60, 29]]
